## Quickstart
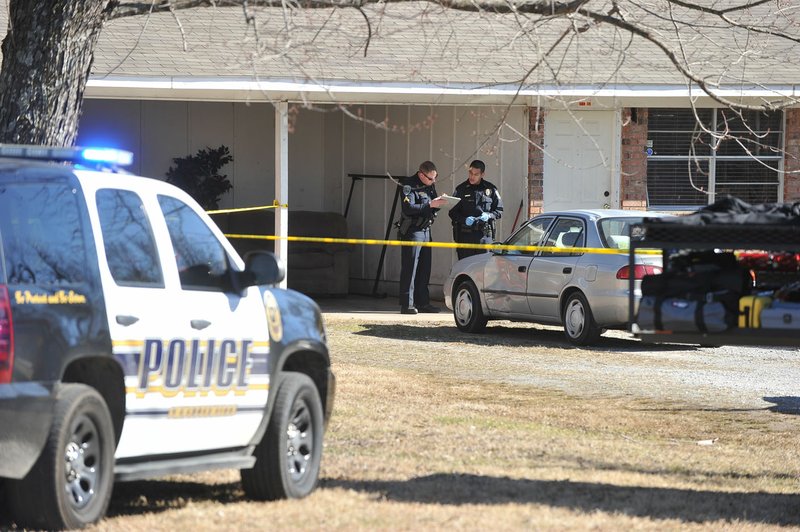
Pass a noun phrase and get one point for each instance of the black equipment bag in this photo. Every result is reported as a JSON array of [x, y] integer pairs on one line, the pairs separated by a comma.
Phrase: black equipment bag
[[709, 313], [698, 292]]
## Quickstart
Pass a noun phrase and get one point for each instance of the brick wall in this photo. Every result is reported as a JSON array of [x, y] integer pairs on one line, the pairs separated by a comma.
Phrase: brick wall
[[535, 161], [633, 166], [791, 159], [633, 189]]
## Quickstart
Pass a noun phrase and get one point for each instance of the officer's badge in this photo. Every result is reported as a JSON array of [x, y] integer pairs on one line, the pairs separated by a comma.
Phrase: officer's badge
[[488, 191], [407, 200]]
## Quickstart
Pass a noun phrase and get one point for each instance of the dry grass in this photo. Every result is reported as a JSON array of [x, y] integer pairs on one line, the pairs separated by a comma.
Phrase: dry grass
[[420, 439]]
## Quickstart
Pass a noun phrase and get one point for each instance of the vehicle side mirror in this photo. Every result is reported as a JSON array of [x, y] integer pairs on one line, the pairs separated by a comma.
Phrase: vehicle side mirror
[[263, 267]]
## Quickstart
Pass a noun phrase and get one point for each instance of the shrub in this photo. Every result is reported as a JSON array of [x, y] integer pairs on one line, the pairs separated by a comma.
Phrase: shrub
[[199, 175]]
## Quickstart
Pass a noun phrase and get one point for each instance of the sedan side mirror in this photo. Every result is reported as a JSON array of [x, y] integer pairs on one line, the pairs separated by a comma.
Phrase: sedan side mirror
[[263, 267]]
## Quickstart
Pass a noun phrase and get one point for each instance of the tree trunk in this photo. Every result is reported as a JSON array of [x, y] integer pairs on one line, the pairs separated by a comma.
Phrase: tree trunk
[[47, 56]]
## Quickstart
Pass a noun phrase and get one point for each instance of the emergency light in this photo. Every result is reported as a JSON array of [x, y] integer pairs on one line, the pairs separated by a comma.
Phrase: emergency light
[[108, 155], [77, 155]]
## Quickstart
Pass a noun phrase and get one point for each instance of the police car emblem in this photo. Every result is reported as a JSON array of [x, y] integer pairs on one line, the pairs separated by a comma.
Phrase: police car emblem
[[274, 322]]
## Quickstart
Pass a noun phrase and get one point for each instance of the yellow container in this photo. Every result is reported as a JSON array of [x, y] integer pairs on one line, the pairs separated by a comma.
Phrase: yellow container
[[750, 308]]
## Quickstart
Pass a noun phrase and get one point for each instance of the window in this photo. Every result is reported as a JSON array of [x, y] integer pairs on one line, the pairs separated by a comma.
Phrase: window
[[615, 232], [128, 239], [529, 234], [566, 233], [41, 227], [687, 167], [201, 259]]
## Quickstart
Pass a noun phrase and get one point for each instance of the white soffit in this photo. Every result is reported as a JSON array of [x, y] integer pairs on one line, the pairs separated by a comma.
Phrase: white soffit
[[249, 90]]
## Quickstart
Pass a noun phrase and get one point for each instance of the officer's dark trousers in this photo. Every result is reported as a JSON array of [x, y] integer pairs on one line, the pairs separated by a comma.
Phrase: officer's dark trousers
[[470, 237], [415, 270]]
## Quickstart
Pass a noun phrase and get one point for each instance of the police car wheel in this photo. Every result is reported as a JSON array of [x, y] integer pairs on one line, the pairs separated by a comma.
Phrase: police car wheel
[[288, 457], [71, 483], [579, 326], [467, 309]]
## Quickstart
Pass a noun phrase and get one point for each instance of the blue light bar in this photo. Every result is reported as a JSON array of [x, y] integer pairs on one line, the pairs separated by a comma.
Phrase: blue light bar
[[108, 155], [87, 156]]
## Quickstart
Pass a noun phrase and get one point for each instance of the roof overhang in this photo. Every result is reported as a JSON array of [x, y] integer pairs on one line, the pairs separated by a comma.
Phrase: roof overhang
[[249, 90]]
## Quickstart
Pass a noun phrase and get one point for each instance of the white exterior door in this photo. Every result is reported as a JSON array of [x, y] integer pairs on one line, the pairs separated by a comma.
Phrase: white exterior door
[[581, 164]]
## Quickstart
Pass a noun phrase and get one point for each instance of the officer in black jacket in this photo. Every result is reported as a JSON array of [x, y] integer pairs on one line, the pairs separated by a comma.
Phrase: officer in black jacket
[[474, 216], [418, 210]]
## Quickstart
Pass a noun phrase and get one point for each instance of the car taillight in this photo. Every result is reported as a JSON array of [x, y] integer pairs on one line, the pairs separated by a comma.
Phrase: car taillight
[[6, 337], [639, 271]]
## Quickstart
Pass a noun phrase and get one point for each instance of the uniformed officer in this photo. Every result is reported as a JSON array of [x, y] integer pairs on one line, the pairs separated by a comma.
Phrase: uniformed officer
[[474, 216], [418, 210]]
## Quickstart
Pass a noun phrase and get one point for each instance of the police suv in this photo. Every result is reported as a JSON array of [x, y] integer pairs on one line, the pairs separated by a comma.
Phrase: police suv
[[135, 342]]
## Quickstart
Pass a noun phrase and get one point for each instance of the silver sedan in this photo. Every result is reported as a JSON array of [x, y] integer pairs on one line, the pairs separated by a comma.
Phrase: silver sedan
[[583, 292]]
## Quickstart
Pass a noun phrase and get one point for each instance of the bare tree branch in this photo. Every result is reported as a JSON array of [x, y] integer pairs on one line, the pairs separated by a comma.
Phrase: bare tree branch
[[369, 29]]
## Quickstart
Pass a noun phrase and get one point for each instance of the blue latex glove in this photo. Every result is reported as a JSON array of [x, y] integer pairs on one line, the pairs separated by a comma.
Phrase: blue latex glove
[[484, 216], [469, 221]]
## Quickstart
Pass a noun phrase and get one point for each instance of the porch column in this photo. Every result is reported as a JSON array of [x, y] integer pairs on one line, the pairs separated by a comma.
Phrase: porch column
[[282, 183]]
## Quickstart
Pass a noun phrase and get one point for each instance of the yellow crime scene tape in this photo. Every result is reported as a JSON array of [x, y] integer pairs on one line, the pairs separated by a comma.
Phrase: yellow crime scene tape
[[449, 245], [275, 205]]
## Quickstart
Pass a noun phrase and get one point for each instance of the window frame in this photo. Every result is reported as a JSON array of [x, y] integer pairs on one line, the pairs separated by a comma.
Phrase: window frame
[[161, 283], [85, 263], [524, 228], [226, 284], [580, 243], [711, 160]]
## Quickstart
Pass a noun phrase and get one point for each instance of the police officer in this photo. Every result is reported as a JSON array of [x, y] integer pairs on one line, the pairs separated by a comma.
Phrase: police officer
[[418, 210], [474, 216]]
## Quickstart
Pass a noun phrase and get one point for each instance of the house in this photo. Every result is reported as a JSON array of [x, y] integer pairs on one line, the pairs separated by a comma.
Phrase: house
[[563, 118]]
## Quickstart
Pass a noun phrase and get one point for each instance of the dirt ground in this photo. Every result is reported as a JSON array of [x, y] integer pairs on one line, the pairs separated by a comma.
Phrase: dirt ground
[[515, 429]]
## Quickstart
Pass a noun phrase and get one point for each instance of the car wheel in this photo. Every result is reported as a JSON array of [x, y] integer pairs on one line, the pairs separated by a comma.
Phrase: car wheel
[[467, 309], [579, 325], [288, 457], [71, 483]]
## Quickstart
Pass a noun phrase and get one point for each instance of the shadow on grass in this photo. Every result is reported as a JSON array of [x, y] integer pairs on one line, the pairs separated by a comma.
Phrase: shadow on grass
[[655, 503], [784, 405], [507, 336], [145, 496], [156, 496]]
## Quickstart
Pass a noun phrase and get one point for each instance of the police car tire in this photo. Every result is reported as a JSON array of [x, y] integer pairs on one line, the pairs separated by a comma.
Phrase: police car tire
[[82, 428], [289, 455], [467, 310], [585, 332]]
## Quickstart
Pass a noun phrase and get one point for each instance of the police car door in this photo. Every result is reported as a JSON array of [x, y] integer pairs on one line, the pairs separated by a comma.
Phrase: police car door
[[140, 306], [209, 378]]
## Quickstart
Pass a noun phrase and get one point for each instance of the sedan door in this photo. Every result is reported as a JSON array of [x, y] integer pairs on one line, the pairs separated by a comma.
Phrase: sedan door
[[506, 272], [551, 271]]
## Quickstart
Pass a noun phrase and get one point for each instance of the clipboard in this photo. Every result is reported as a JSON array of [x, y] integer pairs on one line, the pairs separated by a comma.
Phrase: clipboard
[[452, 201]]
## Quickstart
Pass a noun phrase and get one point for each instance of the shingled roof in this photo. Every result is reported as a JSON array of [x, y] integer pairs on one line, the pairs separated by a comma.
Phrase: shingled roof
[[417, 46]]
